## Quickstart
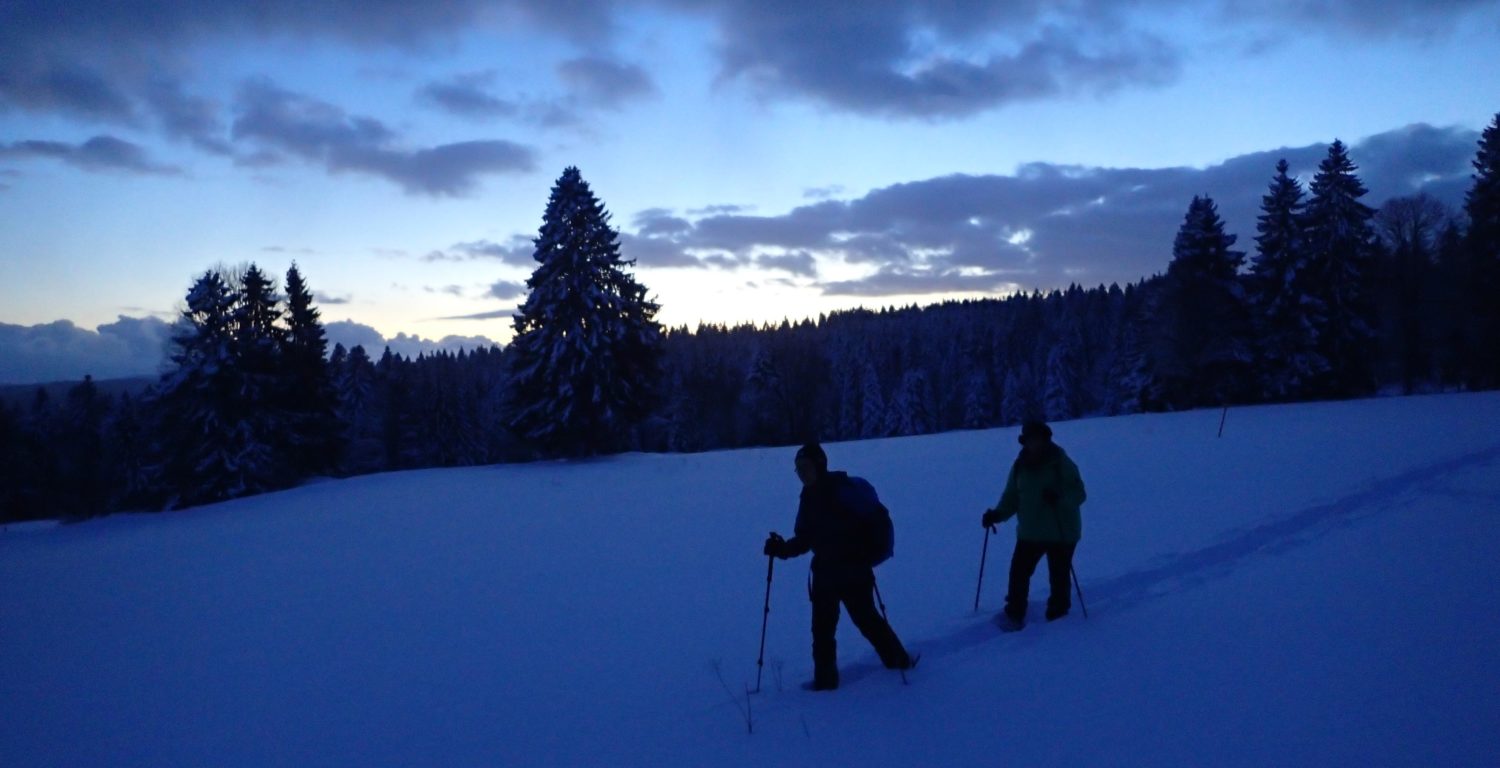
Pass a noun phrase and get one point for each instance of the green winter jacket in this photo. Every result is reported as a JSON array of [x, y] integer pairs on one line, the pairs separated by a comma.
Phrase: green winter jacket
[[1023, 498]]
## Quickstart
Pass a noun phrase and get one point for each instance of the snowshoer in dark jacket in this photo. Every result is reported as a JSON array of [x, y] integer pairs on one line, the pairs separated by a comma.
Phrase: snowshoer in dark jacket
[[1044, 491], [840, 569]]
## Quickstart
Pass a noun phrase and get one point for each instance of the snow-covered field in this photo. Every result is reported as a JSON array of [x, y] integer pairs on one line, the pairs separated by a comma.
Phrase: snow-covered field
[[1319, 586]]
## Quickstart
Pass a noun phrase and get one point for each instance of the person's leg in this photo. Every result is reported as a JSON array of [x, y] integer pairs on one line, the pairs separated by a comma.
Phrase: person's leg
[[859, 600], [825, 623], [1059, 575], [1022, 564]]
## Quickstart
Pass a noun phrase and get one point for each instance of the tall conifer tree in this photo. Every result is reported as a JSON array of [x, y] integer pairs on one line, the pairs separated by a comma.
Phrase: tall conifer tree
[[585, 363], [1287, 358], [1335, 282], [207, 450], [313, 435], [1202, 349], [1482, 204]]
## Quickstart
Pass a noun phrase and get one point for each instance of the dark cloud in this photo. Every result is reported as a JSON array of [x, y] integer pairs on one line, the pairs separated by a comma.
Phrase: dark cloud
[[1045, 226], [62, 351], [469, 96], [517, 251], [654, 222], [924, 60], [101, 153], [715, 210], [1401, 162], [798, 263], [494, 314], [186, 117], [329, 299], [598, 81], [507, 290], [97, 59], [66, 88], [352, 334], [899, 282], [288, 124], [1370, 18], [655, 252]]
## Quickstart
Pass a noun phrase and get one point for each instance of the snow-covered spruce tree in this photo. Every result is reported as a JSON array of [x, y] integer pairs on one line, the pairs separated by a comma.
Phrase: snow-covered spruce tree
[[356, 384], [768, 396], [259, 342], [1057, 395], [1132, 388], [313, 438], [81, 451], [979, 400], [1287, 360], [909, 412], [1482, 204], [1020, 402], [871, 400], [1334, 283], [1201, 353], [585, 362], [204, 450]]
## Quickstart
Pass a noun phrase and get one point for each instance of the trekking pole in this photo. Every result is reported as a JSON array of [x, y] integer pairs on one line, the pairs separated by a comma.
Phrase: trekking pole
[[1079, 590], [1057, 515], [883, 615], [983, 553], [760, 663]]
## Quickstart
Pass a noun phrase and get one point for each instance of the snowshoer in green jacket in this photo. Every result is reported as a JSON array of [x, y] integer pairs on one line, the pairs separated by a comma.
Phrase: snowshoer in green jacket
[[1044, 491]]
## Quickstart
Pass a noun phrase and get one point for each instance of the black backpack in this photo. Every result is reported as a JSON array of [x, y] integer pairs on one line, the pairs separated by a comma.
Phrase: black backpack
[[876, 532]]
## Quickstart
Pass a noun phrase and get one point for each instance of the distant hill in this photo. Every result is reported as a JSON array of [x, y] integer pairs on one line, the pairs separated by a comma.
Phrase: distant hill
[[24, 394]]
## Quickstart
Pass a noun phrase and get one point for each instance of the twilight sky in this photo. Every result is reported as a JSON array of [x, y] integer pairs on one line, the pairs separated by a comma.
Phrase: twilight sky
[[762, 159]]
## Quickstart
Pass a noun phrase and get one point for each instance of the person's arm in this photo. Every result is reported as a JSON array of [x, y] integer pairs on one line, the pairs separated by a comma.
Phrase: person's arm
[[797, 545], [1072, 491], [1008, 505]]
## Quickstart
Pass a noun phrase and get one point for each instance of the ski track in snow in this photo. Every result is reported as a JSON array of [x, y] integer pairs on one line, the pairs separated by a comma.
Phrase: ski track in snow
[[1122, 592]]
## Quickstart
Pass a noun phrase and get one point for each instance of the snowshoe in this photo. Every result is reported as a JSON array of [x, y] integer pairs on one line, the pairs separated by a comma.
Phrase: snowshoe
[[1007, 623]]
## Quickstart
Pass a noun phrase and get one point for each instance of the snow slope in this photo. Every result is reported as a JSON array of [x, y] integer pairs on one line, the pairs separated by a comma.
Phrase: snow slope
[[1317, 587]]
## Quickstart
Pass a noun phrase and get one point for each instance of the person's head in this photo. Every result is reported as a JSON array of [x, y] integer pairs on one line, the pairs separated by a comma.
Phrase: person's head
[[811, 464], [1035, 436]]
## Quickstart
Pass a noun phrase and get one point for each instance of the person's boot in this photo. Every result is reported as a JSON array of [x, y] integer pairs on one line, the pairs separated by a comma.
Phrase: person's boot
[[1009, 623], [821, 684], [823, 681]]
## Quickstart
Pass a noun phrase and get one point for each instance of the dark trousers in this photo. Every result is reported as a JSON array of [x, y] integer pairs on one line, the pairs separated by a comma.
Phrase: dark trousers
[[1059, 569], [859, 599]]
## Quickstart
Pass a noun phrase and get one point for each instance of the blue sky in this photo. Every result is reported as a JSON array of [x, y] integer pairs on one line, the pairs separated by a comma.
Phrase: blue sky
[[761, 159]]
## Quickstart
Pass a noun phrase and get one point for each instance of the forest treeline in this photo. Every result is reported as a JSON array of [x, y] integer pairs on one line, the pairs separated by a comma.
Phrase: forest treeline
[[1332, 299]]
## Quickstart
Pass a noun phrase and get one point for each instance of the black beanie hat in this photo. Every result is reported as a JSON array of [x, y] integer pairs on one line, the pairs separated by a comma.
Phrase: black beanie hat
[[814, 453], [1035, 429]]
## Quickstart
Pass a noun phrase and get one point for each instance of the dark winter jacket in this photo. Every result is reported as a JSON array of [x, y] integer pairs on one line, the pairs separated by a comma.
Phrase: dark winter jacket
[[1026, 488], [831, 533]]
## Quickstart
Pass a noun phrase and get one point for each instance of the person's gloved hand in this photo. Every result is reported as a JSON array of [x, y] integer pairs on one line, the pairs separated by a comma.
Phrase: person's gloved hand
[[991, 518], [1049, 496], [775, 546]]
